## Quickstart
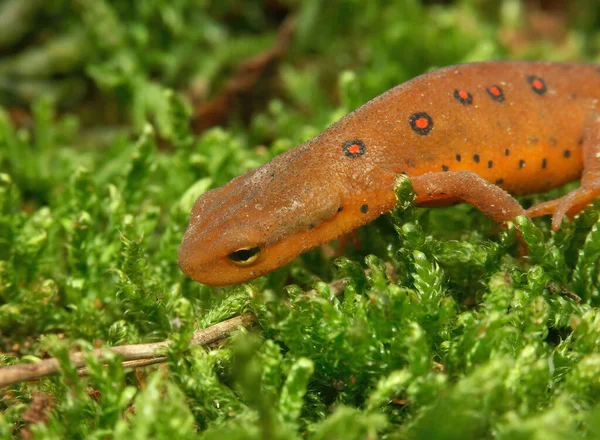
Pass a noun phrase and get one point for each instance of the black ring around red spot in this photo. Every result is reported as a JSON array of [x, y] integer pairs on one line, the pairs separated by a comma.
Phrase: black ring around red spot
[[496, 93], [538, 85], [421, 123], [354, 148], [459, 95]]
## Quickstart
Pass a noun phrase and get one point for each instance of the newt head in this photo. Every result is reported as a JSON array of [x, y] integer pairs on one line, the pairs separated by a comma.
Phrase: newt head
[[312, 194], [258, 222]]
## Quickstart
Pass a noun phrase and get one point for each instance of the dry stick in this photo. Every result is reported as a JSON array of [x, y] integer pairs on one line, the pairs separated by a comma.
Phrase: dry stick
[[84, 371], [150, 353], [140, 355]]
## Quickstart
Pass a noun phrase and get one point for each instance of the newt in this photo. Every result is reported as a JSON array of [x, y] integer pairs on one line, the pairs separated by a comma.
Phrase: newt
[[477, 133]]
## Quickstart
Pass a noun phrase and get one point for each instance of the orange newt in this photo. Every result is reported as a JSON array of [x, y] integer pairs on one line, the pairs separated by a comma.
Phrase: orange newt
[[473, 132]]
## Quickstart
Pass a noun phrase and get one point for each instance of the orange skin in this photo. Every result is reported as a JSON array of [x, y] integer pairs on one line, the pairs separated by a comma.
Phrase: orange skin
[[473, 132]]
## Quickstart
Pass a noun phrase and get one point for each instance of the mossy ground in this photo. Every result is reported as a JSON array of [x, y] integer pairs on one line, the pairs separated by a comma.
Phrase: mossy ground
[[99, 175]]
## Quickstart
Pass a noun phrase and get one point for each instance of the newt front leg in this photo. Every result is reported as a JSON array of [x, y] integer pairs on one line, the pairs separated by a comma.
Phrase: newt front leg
[[433, 188]]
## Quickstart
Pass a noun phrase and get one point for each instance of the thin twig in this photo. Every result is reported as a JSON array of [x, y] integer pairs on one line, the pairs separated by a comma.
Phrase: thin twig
[[244, 81], [141, 355], [149, 353], [559, 288], [129, 364]]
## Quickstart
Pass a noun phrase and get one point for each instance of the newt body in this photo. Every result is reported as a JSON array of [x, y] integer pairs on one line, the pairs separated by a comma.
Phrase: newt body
[[473, 132]]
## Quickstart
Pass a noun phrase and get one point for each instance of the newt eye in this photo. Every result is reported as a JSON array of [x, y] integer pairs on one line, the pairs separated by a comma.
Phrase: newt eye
[[244, 256]]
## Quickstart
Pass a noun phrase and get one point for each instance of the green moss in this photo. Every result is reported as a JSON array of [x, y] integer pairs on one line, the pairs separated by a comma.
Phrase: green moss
[[468, 340]]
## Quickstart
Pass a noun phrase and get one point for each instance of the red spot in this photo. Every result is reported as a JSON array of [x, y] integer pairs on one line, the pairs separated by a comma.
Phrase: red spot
[[354, 149], [463, 94], [537, 84], [495, 91], [422, 123]]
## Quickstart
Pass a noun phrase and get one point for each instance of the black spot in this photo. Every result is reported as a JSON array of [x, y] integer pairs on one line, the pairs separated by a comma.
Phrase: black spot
[[340, 209], [580, 141], [364, 208], [499, 181], [507, 152], [537, 84], [354, 148], [496, 93], [311, 226], [544, 163], [490, 164], [476, 158], [421, 123], [460, 97], [444, 167], [567, 153], [521, 163], [458, 157]]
